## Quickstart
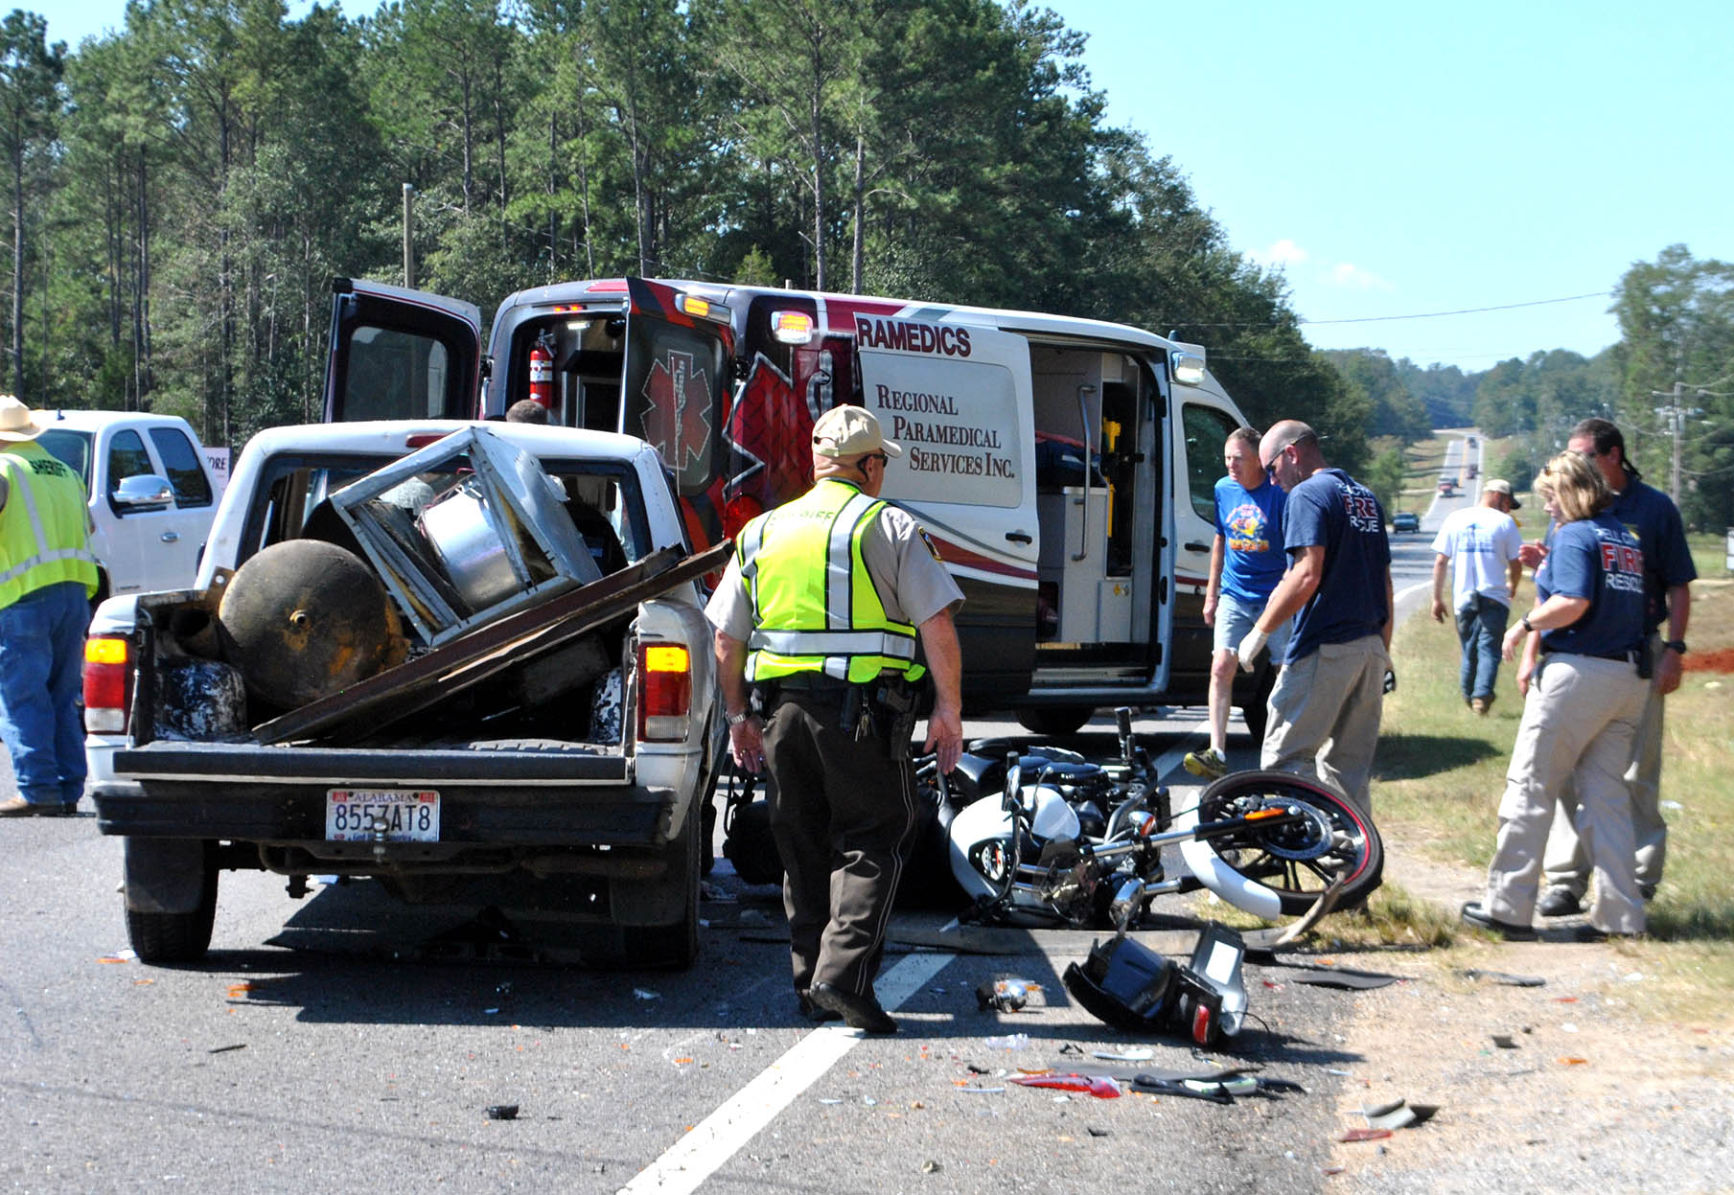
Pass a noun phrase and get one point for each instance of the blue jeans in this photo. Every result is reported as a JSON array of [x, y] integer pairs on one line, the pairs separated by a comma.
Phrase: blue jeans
[[1480, 628], [41, 678]]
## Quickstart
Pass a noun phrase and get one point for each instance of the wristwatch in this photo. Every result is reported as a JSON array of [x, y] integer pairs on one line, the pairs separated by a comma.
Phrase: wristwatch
[[1526, 623], [1676, 645], [735, 720]]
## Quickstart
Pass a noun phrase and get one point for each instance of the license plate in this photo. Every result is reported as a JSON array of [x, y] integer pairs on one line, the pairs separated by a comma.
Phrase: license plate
[[357, 815]]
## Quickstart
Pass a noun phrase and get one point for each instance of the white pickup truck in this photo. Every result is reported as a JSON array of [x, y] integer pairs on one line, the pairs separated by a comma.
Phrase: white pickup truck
[[151, 494], [565, 791]]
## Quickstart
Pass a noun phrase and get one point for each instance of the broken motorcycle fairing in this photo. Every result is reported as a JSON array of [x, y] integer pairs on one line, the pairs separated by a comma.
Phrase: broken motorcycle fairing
[[1129, 986]]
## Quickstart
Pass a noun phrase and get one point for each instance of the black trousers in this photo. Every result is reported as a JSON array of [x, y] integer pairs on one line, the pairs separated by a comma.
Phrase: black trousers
[[843, 816]]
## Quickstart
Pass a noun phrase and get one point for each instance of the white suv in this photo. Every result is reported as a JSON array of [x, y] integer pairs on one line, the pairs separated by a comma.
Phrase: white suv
[[151, 494]]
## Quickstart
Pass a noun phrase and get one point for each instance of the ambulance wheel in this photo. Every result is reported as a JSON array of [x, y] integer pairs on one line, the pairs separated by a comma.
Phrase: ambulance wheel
[[1055, 719]]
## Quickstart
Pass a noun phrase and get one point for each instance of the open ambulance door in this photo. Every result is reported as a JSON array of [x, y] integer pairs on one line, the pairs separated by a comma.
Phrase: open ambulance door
[[401, 354], [958, 400], [674, 393]]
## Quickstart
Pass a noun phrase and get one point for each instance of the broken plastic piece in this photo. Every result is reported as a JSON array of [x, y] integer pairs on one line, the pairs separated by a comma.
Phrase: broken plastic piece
[[646, 994], [1007, 1041], [502, 1111], [1505, 977], [1139, 1054], [1364, 1135], [1100, 1086], [1390, 1117], [1504, 1041], [982, 1090]]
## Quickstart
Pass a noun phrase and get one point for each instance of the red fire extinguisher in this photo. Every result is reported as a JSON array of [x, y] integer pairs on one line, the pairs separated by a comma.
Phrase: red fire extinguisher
[[542, 374]]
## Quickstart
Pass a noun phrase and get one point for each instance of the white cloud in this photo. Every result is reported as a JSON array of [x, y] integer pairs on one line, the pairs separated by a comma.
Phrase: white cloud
[[1347, 273], [1284, 253]]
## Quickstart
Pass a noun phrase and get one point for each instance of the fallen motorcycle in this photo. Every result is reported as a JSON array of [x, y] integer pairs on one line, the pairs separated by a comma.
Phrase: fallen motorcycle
[[1082, 844]]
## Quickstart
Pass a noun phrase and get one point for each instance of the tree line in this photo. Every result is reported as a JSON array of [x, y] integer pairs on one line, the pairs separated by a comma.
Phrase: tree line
[[183, 189]]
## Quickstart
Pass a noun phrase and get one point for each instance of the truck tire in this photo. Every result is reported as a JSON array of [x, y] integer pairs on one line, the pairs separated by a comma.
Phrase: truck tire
[[1055, 719], [668, 947], [171, 938]]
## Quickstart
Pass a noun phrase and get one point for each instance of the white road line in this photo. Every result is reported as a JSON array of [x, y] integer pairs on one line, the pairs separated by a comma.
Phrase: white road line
[[722, 1134]]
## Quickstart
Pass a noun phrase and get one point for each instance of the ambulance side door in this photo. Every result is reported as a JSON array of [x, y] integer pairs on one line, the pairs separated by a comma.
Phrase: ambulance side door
[[401, 354], [958, 399]]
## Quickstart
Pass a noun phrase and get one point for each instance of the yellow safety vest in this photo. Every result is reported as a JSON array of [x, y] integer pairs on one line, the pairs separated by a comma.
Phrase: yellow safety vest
[[815, 606], [43, 537]]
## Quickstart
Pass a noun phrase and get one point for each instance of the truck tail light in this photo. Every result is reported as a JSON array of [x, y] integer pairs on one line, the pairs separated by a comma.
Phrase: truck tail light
[[666, 670], [107, 684]]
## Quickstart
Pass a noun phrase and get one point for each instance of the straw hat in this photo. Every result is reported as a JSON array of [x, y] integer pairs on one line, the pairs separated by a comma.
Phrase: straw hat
[[17, 422]]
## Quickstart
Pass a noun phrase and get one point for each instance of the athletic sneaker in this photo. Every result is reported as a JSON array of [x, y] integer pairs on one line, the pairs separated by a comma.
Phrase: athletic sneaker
[[1207, 763]]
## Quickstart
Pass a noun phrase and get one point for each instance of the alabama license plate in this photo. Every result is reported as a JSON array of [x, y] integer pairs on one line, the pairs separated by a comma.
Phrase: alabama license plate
[[359, 814]]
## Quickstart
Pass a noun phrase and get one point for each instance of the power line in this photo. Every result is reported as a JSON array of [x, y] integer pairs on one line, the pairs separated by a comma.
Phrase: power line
[[1373, 319]]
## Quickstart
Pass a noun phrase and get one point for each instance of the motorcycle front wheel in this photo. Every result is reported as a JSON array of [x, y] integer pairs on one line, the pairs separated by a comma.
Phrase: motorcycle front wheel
[[1334, 840]]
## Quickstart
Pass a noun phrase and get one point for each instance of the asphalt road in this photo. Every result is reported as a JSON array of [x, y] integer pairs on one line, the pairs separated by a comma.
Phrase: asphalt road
[[302, 1055], [317, 1050]]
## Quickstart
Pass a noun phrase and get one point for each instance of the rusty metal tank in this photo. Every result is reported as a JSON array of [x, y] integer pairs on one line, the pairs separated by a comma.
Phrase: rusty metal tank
[[304, 619]]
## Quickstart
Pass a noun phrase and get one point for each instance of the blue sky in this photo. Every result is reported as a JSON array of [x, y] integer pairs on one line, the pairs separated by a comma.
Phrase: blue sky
[[1399, 159]]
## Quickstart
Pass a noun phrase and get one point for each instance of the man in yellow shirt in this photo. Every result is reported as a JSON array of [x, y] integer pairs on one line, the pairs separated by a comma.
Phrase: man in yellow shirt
[[47, 578]]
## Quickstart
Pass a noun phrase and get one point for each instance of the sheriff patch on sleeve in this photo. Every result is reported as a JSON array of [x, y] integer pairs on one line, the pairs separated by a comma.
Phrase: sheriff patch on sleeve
[[932, 549]]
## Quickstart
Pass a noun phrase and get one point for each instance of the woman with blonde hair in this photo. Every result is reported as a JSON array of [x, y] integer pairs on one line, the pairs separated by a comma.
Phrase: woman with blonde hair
[[1584, 695]]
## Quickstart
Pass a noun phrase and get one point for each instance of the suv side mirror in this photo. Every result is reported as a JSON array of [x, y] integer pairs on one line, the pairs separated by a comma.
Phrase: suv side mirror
[[146, 491]]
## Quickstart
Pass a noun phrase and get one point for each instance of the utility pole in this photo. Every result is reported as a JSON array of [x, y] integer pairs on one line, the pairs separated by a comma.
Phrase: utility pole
[[1679, 419], [408, 240]]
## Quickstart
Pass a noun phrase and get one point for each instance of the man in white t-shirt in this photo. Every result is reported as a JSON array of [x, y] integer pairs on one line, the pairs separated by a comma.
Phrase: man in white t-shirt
[[1482, 543]]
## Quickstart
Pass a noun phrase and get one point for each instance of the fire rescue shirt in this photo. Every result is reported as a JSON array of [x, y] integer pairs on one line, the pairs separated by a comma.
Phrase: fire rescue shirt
[[1652, 517], [1332, 510], [911, 582], [1600, 560]]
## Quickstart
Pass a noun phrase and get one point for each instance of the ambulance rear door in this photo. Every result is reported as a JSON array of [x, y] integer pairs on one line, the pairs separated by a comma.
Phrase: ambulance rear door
[[401, 354]]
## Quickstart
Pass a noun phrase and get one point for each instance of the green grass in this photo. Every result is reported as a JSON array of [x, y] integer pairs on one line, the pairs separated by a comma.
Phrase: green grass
[[1710, 554]]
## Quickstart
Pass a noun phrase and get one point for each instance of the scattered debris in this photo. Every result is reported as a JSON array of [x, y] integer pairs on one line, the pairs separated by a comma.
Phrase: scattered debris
[[1504, 1041], [227, 1049], [1364, 1135], [502, 1111], [1100, 1086], [1138, 1054], [982, 1090], [931, 1167], [1397, 1114], [1007, 1041], [646, 994], [1005, 993], [1571, 1061], [1504, 977], [1096, 1132]]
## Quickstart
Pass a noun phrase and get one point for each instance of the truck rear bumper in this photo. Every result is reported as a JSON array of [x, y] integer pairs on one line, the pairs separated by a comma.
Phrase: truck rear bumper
[[488, 798]]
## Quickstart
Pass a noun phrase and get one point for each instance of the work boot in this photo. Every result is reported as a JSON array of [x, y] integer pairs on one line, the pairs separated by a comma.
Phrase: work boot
[[858, 1012], [1207, 763], [1559, 902], [1481, 705], [813, 1012], [1473, 914], [19, 807]]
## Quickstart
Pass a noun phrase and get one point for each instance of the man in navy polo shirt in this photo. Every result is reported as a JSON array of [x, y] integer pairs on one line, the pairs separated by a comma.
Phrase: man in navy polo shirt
[[1325, 708], [1652, 517]]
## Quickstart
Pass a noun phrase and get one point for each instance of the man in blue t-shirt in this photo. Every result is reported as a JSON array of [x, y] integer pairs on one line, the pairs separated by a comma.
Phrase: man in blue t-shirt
[[1246, 562], [1325, 709], [1652, 517]]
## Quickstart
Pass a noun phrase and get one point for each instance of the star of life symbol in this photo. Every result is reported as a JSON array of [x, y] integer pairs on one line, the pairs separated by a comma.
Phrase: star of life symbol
[[677, 414]]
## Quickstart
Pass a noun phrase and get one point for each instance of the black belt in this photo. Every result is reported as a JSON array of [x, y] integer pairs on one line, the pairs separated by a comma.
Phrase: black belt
[[808, 682], [1624, 657]]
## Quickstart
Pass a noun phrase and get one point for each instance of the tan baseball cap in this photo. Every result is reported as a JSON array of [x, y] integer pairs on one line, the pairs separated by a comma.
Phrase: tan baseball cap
[[1499, 485], [851, 431], [17, 421]]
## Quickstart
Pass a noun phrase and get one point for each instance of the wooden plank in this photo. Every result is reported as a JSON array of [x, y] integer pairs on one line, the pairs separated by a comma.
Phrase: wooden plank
[[413, 686]]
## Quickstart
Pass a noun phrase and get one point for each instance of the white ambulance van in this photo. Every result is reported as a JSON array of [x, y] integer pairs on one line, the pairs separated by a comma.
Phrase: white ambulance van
[[1064, 467]]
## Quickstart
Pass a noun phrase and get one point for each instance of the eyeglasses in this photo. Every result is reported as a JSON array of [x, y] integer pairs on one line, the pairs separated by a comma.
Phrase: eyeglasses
[[876, 456]]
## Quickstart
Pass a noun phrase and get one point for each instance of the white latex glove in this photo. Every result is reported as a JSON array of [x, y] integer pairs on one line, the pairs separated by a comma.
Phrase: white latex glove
[[1250, 647]]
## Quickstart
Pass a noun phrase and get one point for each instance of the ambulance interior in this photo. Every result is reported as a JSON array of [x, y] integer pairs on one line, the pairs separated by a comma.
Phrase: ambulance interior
[[1096, 470]]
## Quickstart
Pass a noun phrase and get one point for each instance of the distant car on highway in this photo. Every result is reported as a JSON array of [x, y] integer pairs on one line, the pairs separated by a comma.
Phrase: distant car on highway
[[1405, 520], [1448, 487]]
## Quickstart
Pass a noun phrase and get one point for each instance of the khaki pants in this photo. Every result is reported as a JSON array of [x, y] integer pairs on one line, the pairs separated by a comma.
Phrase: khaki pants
[[843, 816], [1566, 864], [1324, 716], [1577, 728]]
